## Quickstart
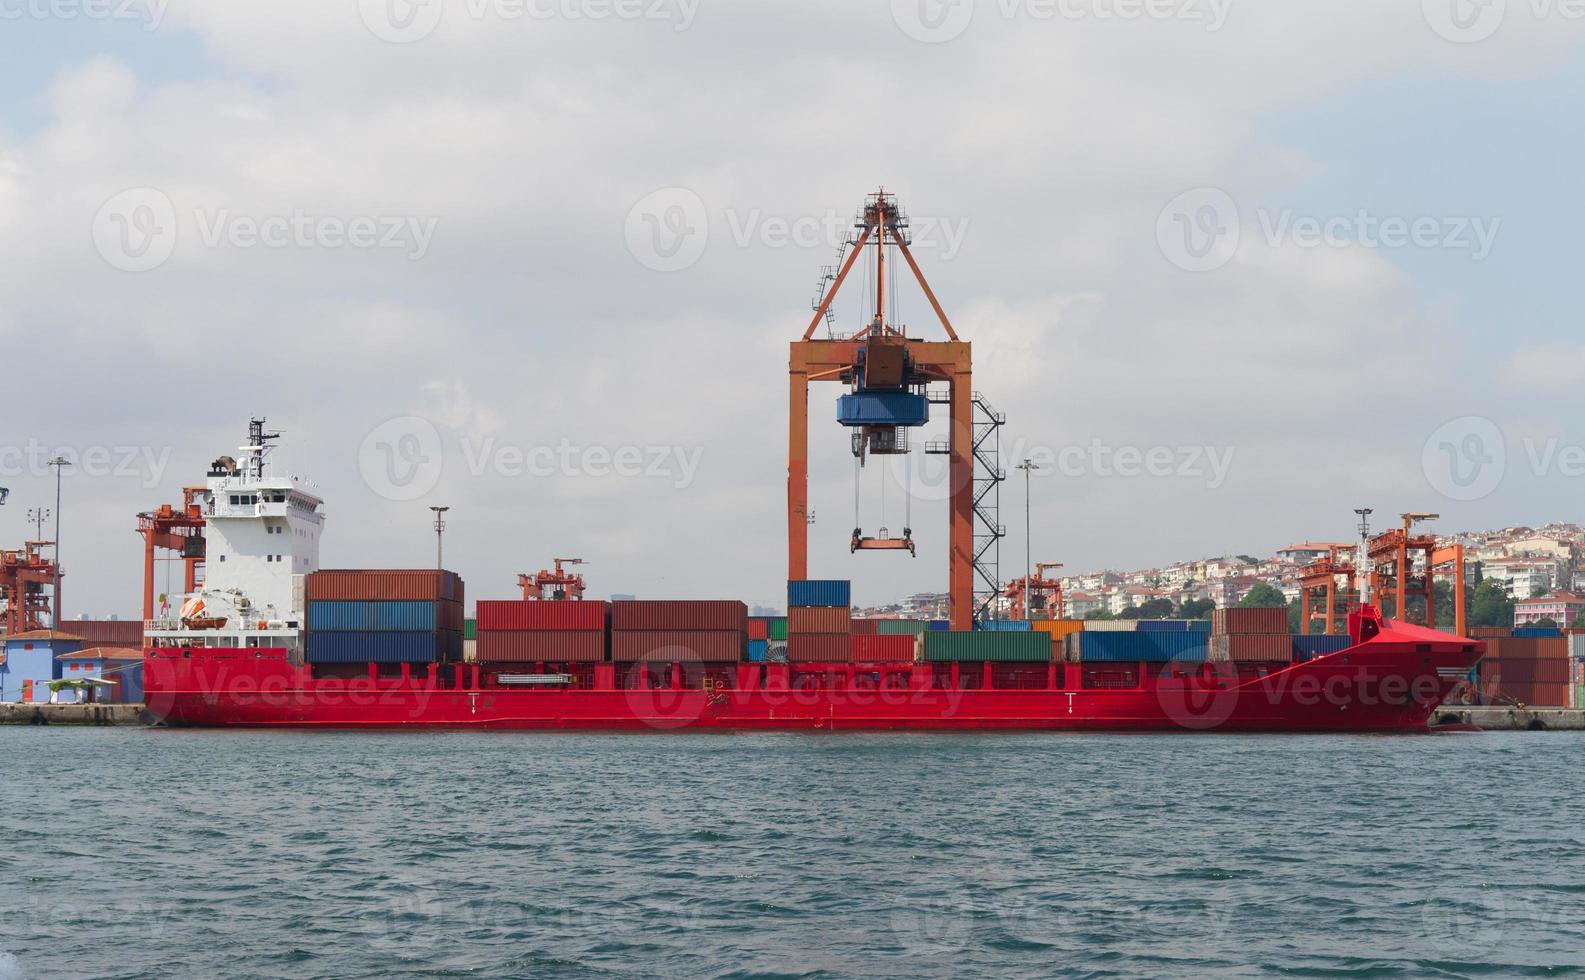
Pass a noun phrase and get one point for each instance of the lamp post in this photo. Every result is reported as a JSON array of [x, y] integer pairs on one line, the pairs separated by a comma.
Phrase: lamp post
[[440, 528], [60, 463], [1028, 466]]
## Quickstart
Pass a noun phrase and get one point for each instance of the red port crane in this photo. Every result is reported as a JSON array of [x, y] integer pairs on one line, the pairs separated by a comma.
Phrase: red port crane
[[177, 530], [27, 583], [551, 585], [886, 368]]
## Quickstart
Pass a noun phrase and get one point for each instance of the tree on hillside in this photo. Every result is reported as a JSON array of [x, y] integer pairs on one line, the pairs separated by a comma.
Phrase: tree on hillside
[[1537, 591], [1098, 614], [1295, 617], [1264, 596], [1546, 621], [1580, 619], [1196, 609], [1492, 605], [1130, 612]]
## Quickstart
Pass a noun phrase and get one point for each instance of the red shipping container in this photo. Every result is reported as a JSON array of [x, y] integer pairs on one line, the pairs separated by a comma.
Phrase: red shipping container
[[864, 627], [758, 628], [1532, 670], [678, 645], [818, 619], [556, 646], [1251, 647], [819, 647], [1488, 632], [1540, 695], [1238, 620], [383, 583], [1527, 648], [682, 614], [882, 649], [539, 614]]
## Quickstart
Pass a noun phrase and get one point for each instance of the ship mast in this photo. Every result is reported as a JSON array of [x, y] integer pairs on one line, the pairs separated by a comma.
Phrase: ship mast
[[1362, 564]]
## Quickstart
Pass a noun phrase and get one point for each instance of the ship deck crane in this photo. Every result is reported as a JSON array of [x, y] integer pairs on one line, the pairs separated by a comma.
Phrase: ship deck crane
[[887, 372], [553, 585]]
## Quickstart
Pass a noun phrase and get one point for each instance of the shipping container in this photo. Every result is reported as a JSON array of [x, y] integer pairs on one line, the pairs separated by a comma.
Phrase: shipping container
[[759, 627], [1004, 625], [106, 632], [1251, 647], [1533, 670], [778, 628], [1526, 648], [681, 614], [383, 583], [1163, 625], [1536, 632], [940, 625], [1201, 625], [541, 614], [1057, 627], [819, 647], [523, 646], [383, 648], [1251, 620], [1488, 632], [344, 615], [678, 645], [890, 648], [1111, 625], [757, 649], [819, 592], [1151, 646], [470, 629], [1576, 646], [901, 627], [1319, 645], [857, 627], [986, 645], [817, 619]]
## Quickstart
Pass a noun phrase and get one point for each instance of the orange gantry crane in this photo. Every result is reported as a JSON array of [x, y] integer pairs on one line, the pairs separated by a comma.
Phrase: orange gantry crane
[[1036, 594], [887, 372], [176, 530], [1403, 565], [27, 587], [551, 585]]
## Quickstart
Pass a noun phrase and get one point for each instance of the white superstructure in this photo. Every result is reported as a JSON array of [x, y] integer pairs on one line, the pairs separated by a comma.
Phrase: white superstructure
[[261, 537]]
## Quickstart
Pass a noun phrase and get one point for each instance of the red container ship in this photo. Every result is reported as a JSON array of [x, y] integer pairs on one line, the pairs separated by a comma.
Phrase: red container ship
[[268, 642]]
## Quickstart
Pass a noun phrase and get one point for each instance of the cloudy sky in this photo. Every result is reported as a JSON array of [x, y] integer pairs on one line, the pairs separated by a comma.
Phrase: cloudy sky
[[1230, 268]]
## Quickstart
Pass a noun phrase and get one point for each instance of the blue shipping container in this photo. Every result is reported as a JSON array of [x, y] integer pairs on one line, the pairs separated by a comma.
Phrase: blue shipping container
[[1162, 625], [1319, 645], [1200, 625], [819, 592], [363, 617], [1160, 646], [383, 648], [1005, 625], [757, 650], [883, 408], [940, 625], [1536, 632]]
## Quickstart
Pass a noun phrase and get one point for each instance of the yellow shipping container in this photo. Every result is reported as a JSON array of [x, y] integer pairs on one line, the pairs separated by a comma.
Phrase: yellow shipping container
[[1057, 627]]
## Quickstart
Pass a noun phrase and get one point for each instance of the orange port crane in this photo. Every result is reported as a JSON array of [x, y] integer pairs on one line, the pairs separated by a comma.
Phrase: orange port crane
[[27, 584], [551, 585], [1321, 575], [887, 371], [1393, 572], [176, 530], [1036, 594]]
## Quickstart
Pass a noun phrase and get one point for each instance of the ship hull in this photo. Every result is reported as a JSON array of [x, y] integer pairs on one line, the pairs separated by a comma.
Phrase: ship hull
[[1373, 687]]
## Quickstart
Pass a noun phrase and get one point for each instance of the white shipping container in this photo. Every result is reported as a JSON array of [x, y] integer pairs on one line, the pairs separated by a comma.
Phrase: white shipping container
[[1111, 625]]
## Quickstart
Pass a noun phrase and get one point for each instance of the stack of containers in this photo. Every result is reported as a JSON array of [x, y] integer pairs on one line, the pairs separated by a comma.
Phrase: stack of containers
[[1576, 659], [1111, 625], [1250, 635], [525, 631], [819, 621], [758, 638], [1308, 647], [1117, 646], [1533, 670], [997, 646], [679, 631], [387, 616]]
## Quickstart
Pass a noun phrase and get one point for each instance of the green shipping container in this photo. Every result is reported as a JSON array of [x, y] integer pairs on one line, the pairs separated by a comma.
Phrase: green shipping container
[[778, 628], [470, 629], [1030, 647], [900, 627]]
